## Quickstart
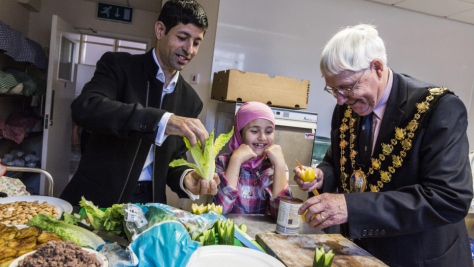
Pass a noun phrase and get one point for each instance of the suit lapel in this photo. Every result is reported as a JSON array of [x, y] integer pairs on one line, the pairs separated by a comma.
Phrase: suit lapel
[[155, 87], [155, 93]]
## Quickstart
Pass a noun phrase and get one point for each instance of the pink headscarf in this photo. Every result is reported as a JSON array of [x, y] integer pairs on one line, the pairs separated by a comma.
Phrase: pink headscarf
[[248, 112]]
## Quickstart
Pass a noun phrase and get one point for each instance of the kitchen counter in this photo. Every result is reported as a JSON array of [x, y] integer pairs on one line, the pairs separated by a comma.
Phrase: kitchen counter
[[262, 224]]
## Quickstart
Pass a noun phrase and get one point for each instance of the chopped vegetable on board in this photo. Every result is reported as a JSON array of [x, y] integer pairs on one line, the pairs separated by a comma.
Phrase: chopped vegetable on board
[[323, 259]]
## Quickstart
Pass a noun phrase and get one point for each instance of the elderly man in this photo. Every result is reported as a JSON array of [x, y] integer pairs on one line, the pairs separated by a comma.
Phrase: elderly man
[[396, 174]]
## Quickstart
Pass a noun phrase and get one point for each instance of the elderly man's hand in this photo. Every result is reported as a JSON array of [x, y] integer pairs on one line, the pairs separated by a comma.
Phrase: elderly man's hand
[[308, 186], [198, 186], [324, 210]]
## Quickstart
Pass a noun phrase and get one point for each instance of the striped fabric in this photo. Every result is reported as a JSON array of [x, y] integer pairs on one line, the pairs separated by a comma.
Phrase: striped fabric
[[254, 190]]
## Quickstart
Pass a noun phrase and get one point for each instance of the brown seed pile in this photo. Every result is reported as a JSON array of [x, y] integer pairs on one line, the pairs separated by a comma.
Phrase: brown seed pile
[[20, 212]]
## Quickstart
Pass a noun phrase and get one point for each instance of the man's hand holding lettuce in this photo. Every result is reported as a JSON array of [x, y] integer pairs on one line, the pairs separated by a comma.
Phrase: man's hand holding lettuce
[[197, 181]]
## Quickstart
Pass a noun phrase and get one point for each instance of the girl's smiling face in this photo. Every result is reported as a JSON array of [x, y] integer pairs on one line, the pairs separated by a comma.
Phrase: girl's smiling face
[[258, 134]]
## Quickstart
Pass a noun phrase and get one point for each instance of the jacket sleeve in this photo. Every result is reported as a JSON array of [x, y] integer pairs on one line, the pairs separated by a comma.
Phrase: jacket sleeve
[[327, 165], [110, 103], [435, 183]]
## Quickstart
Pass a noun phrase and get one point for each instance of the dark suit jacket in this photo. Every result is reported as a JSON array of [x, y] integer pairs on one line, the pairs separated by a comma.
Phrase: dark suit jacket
[[417, 218], [120, 107]]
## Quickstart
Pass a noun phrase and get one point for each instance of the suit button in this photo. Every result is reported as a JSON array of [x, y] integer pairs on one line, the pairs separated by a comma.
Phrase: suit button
[[142, 126], [376, 232], [364, 232], [382, 232], [371, 232]]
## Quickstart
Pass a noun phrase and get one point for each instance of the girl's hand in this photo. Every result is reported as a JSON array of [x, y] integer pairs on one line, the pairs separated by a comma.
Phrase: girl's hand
[[275, 154], [243, 153]]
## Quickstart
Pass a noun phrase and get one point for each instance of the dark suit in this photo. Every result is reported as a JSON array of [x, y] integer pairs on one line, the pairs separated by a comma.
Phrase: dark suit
[[120, 106], [418, 218]]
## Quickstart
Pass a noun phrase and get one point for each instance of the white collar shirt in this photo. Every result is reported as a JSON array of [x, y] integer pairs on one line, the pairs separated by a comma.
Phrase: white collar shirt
[[379, 109]]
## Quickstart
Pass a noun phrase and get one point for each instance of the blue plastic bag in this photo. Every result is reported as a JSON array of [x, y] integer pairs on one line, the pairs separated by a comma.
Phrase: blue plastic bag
[[163, 245], [161, 234]]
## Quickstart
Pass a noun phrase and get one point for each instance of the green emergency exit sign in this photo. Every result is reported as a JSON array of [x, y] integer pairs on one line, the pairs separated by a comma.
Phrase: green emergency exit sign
[[113, 12]]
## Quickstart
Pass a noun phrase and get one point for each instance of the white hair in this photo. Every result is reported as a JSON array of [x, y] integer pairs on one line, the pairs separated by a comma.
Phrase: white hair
[[352, 49]]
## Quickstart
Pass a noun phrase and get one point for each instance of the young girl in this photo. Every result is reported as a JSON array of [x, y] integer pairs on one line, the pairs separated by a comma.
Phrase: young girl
[[254, 175]]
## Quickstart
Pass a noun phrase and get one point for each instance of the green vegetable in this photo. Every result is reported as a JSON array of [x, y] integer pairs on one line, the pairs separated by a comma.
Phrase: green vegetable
[[243, 227], [70, 218], [76, 234], [225, 232], [207, 238], [323, 259], [111, 219], [156, 215], [94, 214], [205, 159], [328, 258]]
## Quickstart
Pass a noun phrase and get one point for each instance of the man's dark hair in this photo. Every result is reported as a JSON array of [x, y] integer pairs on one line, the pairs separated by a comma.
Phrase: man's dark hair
[[183, 11]]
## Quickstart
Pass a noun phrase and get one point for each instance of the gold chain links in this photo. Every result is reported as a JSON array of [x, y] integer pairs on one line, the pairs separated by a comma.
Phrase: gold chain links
[[402, 137]]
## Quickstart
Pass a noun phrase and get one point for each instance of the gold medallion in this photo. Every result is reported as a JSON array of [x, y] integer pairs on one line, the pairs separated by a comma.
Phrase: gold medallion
[[358, 181]]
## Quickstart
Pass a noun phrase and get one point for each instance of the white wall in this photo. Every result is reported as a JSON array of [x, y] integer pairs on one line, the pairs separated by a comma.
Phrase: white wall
[[283, 38], [14, 15]]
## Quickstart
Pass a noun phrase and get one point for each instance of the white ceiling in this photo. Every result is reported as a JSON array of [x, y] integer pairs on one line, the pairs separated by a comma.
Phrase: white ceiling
[[458, 10]]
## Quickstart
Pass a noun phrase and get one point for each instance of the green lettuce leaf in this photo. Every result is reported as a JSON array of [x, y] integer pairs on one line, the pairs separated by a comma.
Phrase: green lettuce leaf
[[76, 234], [95, 215], [110, 219], [113, 218], [70, 218], [204, 159]]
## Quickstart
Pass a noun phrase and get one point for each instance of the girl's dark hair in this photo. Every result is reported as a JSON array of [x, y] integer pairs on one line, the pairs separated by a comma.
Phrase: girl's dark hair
[[183, 11]]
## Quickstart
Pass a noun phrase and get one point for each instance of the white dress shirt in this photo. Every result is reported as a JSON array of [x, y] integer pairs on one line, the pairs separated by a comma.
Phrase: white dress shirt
[[379, 110]]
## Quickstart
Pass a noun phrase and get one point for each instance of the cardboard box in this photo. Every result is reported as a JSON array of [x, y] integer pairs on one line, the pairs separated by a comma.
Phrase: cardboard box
[[238, 86]]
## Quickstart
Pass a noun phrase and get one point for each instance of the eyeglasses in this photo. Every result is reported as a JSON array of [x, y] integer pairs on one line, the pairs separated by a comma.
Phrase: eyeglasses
[[344, 91]]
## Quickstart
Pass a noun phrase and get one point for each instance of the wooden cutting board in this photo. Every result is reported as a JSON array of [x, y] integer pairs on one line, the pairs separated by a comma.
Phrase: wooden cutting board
[[298, 250]]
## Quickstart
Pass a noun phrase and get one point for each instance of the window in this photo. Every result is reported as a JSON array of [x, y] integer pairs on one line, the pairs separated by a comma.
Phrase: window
[[66, 60], [93, 47]]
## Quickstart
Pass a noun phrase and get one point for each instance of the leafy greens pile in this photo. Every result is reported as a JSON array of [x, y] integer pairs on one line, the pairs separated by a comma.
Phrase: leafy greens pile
[[110, 219], [205, 159]]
